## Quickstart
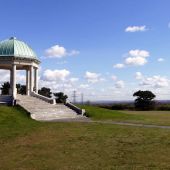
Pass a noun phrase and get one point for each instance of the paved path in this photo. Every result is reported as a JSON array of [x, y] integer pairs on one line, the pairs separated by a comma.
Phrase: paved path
[[88, 120], [132, 124]]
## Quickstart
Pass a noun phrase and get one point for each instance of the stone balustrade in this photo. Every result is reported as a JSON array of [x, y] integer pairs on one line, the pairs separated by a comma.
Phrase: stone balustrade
[[46, 99], [75, 108]]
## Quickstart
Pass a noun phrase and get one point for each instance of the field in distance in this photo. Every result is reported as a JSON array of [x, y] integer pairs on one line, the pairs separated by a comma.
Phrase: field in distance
[[144, 117]]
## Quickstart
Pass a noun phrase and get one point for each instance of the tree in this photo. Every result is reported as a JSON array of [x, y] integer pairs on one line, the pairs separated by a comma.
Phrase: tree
[[21, 89], [5, 88], [45, 92], [144, 100], [60, 97], [18, 86]]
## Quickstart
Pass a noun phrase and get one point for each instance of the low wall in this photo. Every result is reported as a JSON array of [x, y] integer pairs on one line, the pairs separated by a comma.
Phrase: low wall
[[75, 108], [46, 99], [53, 101]]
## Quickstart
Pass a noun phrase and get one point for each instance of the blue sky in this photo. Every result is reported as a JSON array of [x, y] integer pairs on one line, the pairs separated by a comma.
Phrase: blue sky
[[80, 43]]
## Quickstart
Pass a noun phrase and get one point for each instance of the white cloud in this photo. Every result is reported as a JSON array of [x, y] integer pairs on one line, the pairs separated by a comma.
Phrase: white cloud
[[119, 84], [139, 53], [57, 86], [136, 29], [55, 75], [61, 62], [119, 65], [74, 79], [93, 77], [4, 76], [57, 51], [169, 25], [135, 61], [137, 57], [102, 79], [138, 75], [84, 86], [134, 58], [73, 52], [155, 82], [21, 78], [161, 59], [113, 77]]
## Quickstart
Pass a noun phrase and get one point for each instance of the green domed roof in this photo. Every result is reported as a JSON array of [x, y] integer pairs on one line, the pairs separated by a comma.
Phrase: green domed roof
[[15, 48]]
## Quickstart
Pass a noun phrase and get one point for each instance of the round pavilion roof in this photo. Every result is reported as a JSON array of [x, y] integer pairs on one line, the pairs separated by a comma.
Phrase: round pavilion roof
[[15, 48]]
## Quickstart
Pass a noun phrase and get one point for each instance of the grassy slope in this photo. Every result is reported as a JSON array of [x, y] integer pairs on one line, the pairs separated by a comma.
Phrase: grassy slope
[[15, 121], [145, 117], [29, 145]]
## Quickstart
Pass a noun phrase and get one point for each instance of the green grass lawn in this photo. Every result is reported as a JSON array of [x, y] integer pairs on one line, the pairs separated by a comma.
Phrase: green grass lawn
[[144, 117], [29, 145]]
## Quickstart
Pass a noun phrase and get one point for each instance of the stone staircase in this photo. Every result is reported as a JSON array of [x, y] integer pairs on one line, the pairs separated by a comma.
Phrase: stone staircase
[[43, 111]]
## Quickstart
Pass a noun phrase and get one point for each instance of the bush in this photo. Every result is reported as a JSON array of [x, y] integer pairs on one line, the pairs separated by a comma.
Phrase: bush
[[45, 92], [122, 107], [60, 97], [163, 107], [118, 106]]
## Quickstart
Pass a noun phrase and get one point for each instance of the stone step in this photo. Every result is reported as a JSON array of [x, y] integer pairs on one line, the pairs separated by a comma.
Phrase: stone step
[[43, 111]]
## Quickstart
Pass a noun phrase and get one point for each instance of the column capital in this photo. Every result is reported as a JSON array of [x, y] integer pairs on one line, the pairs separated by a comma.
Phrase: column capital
[[36, 68]]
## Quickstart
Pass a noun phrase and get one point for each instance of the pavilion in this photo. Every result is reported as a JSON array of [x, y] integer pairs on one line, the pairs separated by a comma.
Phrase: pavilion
[[17, 55]]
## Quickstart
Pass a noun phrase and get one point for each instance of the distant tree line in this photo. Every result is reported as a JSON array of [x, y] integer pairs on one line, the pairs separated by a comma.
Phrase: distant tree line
[[144, 99]]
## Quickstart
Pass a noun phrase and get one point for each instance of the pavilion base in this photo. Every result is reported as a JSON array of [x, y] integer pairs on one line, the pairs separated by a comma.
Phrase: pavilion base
[[13, 103], [7, 100]]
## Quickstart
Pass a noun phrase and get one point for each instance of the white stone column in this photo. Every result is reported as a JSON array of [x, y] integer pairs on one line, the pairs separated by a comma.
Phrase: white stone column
[[36, 79], [14, 92], [27, 82], [10, 90], [31, 78]]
